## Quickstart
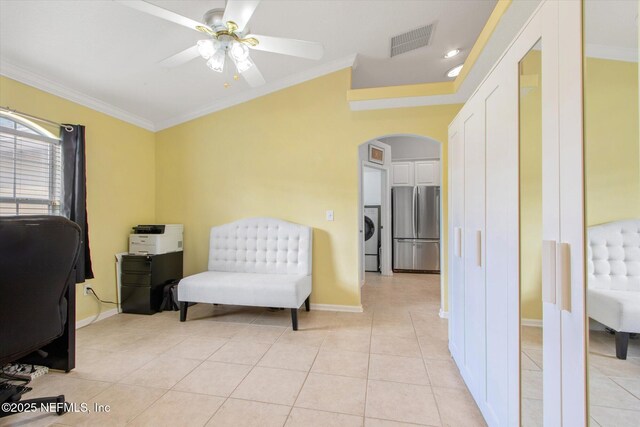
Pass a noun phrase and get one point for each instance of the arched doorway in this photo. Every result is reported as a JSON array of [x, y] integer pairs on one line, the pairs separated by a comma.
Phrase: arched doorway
[[418, 159]]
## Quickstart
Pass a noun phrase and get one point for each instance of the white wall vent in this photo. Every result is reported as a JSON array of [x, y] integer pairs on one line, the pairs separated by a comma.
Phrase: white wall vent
[[411, 40]]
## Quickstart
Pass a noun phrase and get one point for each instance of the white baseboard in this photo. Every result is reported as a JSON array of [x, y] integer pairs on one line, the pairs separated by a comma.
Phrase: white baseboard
[[333, 307], [443, 314], [536, 323], [89, 320]]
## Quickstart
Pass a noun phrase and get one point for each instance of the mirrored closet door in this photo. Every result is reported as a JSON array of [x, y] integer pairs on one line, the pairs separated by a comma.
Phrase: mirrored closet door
[[612, 211], [550, 213], [530, 165]]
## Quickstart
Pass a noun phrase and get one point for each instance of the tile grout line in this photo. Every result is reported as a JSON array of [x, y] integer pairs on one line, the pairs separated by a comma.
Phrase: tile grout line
[[305, 379], [623, 387], [166, 390], [257, 365], [427, 370], [226, 398], [366, 389], [243, 378]]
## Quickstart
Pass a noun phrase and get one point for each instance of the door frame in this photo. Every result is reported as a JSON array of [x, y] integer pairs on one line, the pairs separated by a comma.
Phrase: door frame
[[362, 161], [385, 212]]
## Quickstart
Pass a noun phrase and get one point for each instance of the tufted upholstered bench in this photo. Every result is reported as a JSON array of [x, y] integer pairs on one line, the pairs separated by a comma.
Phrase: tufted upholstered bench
[[613, 274], [263, 262]]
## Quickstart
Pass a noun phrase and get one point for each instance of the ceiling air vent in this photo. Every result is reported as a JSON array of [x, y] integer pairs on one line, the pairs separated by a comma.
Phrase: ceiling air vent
[[411, 40]]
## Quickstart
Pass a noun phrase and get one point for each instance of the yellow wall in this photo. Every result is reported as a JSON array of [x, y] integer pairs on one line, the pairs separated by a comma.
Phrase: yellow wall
[[292, 155], [612, 147], [120, 180], [531, 186]]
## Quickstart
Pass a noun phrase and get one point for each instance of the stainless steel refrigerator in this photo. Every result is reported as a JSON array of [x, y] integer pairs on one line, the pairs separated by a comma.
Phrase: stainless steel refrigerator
[[416, 228]]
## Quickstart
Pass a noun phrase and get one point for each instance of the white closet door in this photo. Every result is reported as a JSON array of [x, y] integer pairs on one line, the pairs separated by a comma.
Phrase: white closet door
[[500, 93], [571, 266], [474, 241], [552, 328], [456, 245]]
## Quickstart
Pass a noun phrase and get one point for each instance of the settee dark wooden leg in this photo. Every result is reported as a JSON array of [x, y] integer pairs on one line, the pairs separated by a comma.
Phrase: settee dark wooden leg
[[294, 319], [307, 304], [183, 310], [622, 343]]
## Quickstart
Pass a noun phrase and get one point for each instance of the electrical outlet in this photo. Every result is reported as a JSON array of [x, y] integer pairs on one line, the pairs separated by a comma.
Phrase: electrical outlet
[[85, 289]]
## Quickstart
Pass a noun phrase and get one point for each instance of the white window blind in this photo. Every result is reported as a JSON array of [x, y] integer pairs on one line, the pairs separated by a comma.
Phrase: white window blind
[[30, 170]]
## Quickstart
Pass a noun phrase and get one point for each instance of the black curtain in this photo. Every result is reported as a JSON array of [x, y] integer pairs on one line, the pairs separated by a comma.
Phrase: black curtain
[[75, 192]]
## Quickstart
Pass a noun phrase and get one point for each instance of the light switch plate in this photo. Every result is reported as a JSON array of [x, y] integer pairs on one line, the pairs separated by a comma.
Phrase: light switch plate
[[329, 215]]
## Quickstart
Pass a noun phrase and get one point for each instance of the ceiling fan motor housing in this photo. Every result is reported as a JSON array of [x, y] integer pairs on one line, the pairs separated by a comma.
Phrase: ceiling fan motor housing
[[214, 19]]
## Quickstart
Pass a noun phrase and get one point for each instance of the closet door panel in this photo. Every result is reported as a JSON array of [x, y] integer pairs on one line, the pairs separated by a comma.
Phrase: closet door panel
[[572, 215], [456, 246], [474, 241], [552, 348], [501, 192]]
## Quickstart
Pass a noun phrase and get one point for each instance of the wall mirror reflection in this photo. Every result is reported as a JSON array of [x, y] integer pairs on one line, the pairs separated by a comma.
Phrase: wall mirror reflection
[[612, 197], [530, 110]]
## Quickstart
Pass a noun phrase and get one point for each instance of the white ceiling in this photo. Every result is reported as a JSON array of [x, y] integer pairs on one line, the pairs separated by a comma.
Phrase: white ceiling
[[611, 23], [110, 53], [611, 29]]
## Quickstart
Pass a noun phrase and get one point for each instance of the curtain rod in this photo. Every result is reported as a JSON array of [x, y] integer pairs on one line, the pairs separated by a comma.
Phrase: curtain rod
[[68, 128]]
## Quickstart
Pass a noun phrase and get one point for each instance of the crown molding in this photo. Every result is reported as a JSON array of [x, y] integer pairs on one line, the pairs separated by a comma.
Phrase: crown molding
[[409, 101], [30, 78], [611, 52], [292, 80]]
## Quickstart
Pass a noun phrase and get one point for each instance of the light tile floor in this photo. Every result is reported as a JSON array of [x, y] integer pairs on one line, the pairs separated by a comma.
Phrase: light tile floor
[[238, 366], [614, 385]]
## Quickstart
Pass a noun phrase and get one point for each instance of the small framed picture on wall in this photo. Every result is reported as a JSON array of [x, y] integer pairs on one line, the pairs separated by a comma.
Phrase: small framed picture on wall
[[376, 154]]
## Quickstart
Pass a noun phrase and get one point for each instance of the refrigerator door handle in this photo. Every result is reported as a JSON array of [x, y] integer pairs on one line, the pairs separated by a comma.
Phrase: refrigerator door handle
[[413, 211], [417, 212], [438, 209]]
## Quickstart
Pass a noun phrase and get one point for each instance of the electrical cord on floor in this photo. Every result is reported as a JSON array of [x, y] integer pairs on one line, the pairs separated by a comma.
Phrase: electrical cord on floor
[[98, 298], [12, 386]]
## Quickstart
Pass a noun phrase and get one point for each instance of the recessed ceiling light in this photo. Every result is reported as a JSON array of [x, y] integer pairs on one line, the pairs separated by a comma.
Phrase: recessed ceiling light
[[451, 53], [454, 71]]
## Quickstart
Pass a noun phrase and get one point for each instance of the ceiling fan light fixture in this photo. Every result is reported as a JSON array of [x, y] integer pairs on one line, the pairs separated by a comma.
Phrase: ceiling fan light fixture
[[239, 51], [216, 62], [206, 48], [454, 71]]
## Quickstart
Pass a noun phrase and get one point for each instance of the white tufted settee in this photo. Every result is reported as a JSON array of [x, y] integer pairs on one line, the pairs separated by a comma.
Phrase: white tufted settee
[[613, 271], [262, 262]]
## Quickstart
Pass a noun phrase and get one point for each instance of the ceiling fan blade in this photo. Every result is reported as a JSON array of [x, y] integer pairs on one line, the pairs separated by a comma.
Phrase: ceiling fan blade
[[253, 76], [301, 48], [165, 14], [240, 11], [181, 57]]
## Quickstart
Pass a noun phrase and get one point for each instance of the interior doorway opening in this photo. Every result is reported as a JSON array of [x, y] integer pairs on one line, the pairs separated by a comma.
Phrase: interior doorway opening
[[411, 164]]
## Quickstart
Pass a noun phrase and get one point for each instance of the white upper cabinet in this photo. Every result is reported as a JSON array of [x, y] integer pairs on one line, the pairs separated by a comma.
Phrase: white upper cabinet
[[427, 172], [402, 173]]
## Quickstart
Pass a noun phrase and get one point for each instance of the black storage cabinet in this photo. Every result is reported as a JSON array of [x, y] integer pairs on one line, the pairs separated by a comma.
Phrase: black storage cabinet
[[143, 279]]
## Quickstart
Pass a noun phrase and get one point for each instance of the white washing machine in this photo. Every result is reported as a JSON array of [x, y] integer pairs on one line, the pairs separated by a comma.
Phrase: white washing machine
[[372, 238]]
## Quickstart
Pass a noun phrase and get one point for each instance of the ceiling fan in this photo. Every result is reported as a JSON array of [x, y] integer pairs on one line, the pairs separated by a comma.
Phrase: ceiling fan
[[228, 37]]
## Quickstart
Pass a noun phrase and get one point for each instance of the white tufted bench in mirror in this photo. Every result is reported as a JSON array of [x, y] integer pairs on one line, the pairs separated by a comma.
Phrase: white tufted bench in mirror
[[613, 274], [263, 262]]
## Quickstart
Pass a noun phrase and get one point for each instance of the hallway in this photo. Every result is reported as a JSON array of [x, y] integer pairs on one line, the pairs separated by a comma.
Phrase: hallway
[[405, 309]]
